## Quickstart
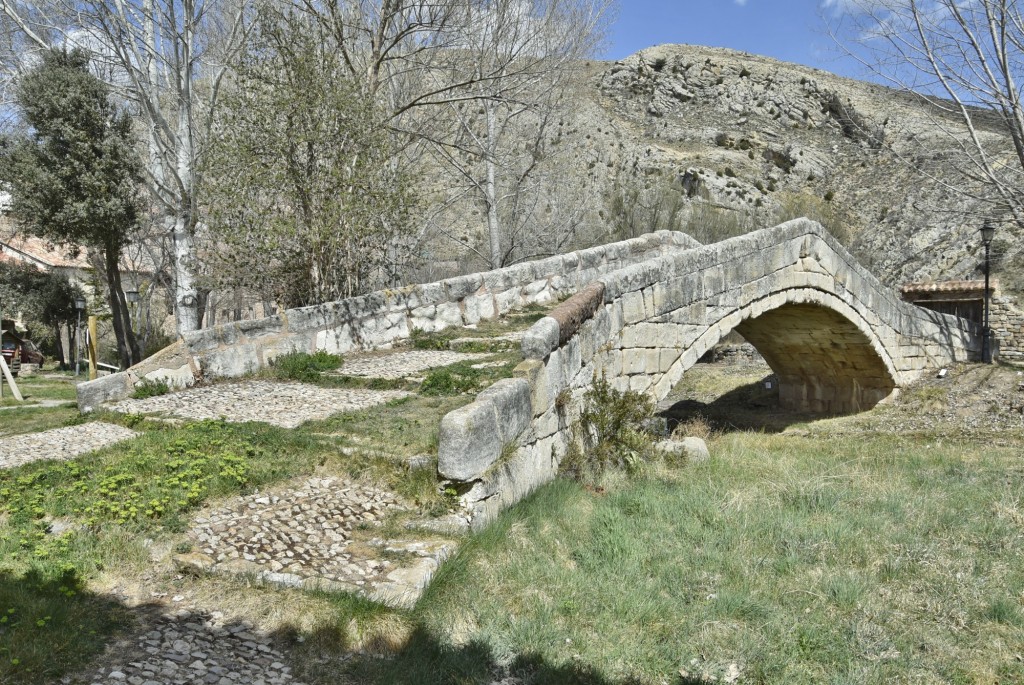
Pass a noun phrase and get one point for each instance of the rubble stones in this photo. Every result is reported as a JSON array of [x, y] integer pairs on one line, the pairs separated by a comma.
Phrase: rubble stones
[[60, 443], [303, 537], [187, 648], [282, 404]]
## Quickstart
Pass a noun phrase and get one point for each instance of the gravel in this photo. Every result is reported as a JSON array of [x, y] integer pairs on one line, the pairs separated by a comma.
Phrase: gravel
[[60, 443], [404, 364], [195, 648], [287, 405]]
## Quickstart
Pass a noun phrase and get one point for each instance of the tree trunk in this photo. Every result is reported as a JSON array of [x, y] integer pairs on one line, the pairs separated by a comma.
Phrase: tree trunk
[[110, 266], [186, 294], [59, 344], [490, 190]]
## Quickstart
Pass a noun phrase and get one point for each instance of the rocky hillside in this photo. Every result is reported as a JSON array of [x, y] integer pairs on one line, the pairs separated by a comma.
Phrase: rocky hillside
[[715, 142]]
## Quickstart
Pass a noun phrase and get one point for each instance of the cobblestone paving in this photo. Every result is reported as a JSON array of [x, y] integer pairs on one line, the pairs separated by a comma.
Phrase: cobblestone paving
[[60, 443], [196, 648], [303, 537], [283, 404], [404, 364]]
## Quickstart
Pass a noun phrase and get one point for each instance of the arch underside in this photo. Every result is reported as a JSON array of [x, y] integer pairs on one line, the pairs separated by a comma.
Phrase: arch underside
[[824, 362]]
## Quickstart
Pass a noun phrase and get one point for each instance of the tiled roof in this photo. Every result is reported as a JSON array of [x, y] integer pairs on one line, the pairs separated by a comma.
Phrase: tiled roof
[[30, 248], [947, 287]]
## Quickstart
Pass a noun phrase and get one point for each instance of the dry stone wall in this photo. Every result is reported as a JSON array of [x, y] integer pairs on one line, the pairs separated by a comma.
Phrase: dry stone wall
[[377, 320], [1007, 323], [846, 343]]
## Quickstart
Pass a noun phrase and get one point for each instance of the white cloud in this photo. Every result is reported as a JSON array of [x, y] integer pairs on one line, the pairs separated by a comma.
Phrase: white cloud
[[741, 3]]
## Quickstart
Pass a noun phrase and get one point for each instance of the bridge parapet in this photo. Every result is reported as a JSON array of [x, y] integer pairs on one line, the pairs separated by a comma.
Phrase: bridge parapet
[[376, 320], [838, 340]]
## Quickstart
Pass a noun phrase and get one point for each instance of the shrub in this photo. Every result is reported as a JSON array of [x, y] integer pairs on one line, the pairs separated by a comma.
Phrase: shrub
[[147, 388], [613, 432], [451, 380], [301, 366]]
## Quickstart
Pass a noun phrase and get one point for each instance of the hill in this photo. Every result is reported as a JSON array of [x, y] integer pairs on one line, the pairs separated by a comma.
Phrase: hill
[[716, 142]]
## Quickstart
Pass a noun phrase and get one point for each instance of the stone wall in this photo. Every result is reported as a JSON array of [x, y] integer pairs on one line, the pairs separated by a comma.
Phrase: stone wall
[[376, 320], [1007, 324], [837, 339]]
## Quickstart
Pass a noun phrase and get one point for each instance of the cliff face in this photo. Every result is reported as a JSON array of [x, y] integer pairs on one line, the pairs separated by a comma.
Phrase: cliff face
[[714, 142]]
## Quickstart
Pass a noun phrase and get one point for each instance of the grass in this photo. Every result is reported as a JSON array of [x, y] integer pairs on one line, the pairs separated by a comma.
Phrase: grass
[[797, 561], [787, 558], [24, 417]]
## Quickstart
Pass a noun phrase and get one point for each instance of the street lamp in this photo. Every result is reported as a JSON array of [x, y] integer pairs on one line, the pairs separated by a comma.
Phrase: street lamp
[[79, 307], [988, 230], [132, 296]]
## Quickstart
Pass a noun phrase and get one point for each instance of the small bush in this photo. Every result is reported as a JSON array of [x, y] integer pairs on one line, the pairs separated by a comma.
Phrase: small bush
[[301, 366], [147, 388], [421, 340], [451, 380], [614, 432], [695, 427]]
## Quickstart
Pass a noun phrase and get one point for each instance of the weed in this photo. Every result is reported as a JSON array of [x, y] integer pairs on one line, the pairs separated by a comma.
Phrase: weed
[[612, 433], [695, 427], [421, 340], [150, 388], [449, 381], [305, 367]]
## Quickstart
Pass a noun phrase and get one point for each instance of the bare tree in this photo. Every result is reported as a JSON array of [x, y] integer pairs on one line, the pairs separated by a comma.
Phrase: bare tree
[[169, 57], [520, 60], [964, 59]]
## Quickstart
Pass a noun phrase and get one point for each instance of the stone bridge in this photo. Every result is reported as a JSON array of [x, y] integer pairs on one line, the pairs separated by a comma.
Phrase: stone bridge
[[640, 312], [838, 340]]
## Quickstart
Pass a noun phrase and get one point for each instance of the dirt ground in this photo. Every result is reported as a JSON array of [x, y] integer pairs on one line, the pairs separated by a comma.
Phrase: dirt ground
[[968, 400]]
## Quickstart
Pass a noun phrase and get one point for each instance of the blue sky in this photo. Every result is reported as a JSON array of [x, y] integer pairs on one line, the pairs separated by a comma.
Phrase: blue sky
[[790, 30]]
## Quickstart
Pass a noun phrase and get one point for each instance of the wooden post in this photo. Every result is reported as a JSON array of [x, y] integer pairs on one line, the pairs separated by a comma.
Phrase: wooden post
[[10, 380], [93, 355]]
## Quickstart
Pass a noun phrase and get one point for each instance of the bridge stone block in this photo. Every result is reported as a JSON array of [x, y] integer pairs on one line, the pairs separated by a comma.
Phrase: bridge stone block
[[640, 383], [541, 339], [634, 361], [535, 374], [508, 301], [633, 307], [479, 307], [336, 340]]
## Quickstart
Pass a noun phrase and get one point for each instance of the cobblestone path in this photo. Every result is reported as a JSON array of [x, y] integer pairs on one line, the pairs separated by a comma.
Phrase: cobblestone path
[[60, 443], [283, 404], [404, 364], [186, 648], [302, 536]]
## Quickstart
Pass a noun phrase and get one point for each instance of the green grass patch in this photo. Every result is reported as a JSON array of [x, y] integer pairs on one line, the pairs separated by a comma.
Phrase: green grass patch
[[30, 419], [148, 388], [49, 626], [869, 559], [302, 366], [463, 377], [149, 484]]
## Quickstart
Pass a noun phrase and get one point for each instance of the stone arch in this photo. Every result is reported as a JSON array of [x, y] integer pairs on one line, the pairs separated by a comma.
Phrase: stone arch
[[827, 357]]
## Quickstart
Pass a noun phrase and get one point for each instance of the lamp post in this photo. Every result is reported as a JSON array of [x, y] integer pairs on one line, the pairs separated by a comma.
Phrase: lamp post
[[988, 230], [133, 300], [79, 308]]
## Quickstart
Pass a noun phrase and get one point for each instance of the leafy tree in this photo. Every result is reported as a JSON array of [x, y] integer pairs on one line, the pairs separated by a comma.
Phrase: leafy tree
[[45, 300], [303, 200], [75, 177]]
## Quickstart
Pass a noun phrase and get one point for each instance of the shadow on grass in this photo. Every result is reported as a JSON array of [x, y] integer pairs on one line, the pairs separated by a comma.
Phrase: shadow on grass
[[52, 626], [751, 407], [425, 661]]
